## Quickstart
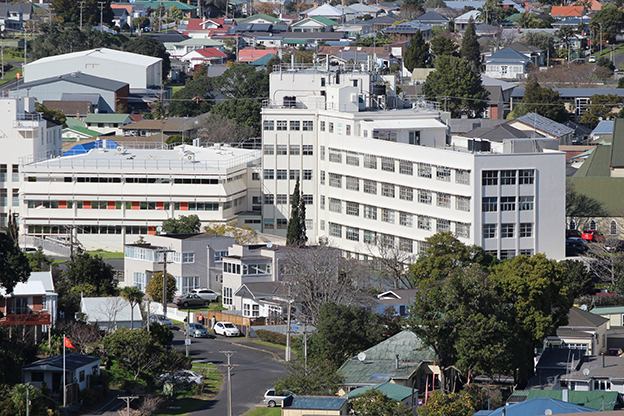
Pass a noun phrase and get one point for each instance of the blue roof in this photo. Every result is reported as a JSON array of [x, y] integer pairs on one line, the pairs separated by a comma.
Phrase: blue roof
[[564, 93], [539, 406], [81, 149], [508, 54], [314, 403], [604, 127]]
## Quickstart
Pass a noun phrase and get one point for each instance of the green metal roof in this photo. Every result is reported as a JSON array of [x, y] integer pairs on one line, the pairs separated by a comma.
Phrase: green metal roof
[[266, 17], [167, 5], [609, 191], [106, 118], [617, 144], [324, 20], [608, 310], [391, 390], [406, 344], [596, 164], [84, 131], [597, 400], [263, 61], [72, 122]]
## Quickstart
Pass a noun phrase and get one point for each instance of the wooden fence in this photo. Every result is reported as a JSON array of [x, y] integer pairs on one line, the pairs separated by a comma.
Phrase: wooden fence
[[241, 322]]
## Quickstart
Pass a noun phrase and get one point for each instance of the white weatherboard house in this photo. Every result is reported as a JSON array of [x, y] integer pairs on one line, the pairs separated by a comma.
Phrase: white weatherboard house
[[139, 71], [109, 197], [110, 313], [79, 369], [373, 171]]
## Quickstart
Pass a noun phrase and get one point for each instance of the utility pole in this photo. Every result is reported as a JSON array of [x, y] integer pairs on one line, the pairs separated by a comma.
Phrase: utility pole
[[82, 3], [187, 341], [229, 380], [101, 5], [288, 327], [164, 262], [128, 399]]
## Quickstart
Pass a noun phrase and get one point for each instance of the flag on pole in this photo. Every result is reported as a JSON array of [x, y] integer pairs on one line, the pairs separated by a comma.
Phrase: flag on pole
[[68, 343]]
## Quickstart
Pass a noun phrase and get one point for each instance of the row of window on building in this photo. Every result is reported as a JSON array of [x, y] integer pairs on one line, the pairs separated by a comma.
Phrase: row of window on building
[[184, 284], [508, 230], [508, 177], [284, 174], [246, 269], [593, 225], [4, 173], [283, 199], [90, 229], [135, 205], [404, 167], [142, 179], [284, 125], [406, 193], [510, 254], [285, 150], [507, 203], [138, 253], [282, 223]]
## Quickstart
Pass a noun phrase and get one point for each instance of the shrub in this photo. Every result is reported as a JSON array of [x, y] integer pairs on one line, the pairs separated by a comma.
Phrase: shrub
[[272, 337]]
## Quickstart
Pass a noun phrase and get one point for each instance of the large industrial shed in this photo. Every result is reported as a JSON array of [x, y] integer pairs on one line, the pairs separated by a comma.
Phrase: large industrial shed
[[140, 71], [112, 93]]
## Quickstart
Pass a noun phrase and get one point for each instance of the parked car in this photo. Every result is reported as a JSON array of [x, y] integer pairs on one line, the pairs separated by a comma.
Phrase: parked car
[[161, 319], [29, 250], [206, 294], [573, 233], [593, 235], [575, 246], [578, 61], [190, 300], [592, 59], [198, 330], [274, 398], [226, 329]]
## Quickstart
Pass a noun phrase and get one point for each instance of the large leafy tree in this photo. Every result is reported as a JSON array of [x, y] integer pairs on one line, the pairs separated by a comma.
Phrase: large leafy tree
[[145, 45], [185, 224], [86, 270], [580, 207], [314, 377], [38, 261], [470, 45], [417, 53], [296, 233], [196, 98], [611, 17], [542, 101], [375, 403], [136, 350], [243, 81], [14, 265], [456, 83], [68, 11], [464, 403], [57, 38], [344, 331], [601, 108], [244, 111], [443, 45], [155, 287]]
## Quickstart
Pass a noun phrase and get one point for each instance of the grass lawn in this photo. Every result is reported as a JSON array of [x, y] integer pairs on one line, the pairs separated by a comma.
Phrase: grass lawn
[[107, 254], [176, 88], [264, 411], [268, 344], [186, 403]]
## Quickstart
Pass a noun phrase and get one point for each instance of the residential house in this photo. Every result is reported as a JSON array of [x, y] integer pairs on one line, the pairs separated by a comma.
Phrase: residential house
[[461, 22], [32, 303], [12, 16], [110, 313], [402, 359], [186, 8], [328, 11], [78, 368], [78, 109], [405, 31], [545, 126], [259, 18], [603, 132], [263, 300], [381, 22], [507, 64], [314, 405], [208, 28], [194, 260], [173, 125], [180, 48], [397, 299], [615, 315], [107, 123], [391, 390], [249, 264], [313, 24], [112, 93], [206, 57], [252, 54], [78, 133], [433, 19], [362, 10], [536, 55], [121, 17], [596, 400], [597, 373], [534, 407], [499, 99], [584, 331]]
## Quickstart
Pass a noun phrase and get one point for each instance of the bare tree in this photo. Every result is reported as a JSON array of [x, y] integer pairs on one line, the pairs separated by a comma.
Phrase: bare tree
[[319, 274], [219, 129], [607, 265], [82, 335], [110, 309], [391, 259]]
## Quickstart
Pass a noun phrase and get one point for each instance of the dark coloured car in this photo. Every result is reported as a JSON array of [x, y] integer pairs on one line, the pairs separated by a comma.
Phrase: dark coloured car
[[190, 300], [575, 246], [573, 233], [593, 236]]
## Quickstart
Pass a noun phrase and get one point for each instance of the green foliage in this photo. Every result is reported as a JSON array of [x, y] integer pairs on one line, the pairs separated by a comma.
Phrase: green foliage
[[271, 63], [542, 101], [14, 265], [621, 83], [601, 107], [541, 40], [175, 13], [580, 205], [68, 11], [145, 45], [343, 332], [577, 278], [296, 233], [194, 99], [56, 116], [38, 261], [161, 334], [375, 403], [242, 235], [185, 224], [379, 39], [244, 111], [417, 53], [464, 403], [22, 392], [457, 84], [470, 45], [611, 18], [317, 378], [243, 81], [178, 139], [494, 11], [134, 296], [272, 337], [605, 62], [136, 349], [155, 287], [85, 269], [443, 45], [141, 22], [14, 352], [444, 256], [200, 71]]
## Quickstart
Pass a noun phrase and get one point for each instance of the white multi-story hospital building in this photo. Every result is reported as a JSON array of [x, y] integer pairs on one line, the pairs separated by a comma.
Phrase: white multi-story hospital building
[[373, 171]]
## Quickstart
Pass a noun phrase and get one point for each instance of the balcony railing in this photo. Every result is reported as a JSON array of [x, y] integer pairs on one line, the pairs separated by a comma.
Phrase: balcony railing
[[35, 318]]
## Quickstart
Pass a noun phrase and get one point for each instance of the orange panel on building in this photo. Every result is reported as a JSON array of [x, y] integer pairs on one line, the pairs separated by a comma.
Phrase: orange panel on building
[[136, 205], [184, 206], [62, 204], [151, 230], [87, 205], [160, 205], [111, 204]]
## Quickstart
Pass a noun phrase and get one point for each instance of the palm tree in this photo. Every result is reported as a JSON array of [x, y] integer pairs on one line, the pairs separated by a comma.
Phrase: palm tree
[[134, 296]]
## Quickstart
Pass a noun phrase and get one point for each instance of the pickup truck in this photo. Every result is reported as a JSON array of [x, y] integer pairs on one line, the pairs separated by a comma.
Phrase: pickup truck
[[273, 398]]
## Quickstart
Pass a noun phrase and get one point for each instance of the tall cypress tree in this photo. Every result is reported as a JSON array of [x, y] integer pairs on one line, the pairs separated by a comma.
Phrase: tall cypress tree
[[296, 234], [470, 45], [417, 53]]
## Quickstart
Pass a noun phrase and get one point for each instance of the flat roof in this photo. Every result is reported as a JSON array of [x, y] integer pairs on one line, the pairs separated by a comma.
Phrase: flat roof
[[405, 124]]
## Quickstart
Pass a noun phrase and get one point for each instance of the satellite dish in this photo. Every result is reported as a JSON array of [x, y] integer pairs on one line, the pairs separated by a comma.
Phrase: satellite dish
[[159, 228], [586, 372], [269, 244], [583, 307], [548, 412], [361, 356]]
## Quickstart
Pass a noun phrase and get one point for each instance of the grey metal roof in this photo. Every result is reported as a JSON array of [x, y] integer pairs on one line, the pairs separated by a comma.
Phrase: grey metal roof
[[76, 78], [507, 55], [580, 318], [92, 98], [544, 124], [72, 362], [568, 93], [501, 132], [432, 16]]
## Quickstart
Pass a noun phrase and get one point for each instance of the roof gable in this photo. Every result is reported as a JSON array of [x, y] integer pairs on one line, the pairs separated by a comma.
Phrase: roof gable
[[406, 344], [539, 406], [432, 16], [544, 124], [580, 318], [507, 54]]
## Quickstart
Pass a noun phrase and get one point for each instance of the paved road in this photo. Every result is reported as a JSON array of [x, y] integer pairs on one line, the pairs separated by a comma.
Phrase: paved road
[[256, 370]]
